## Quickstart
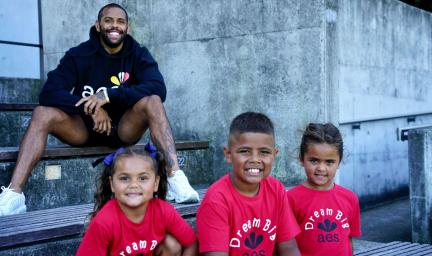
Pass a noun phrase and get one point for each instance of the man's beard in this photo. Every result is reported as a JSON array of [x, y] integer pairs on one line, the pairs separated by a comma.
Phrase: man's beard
[[108, 42]]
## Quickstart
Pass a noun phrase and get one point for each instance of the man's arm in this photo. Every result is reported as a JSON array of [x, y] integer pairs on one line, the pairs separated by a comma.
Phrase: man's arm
[[93, 103], [56, 91], [288, 248]]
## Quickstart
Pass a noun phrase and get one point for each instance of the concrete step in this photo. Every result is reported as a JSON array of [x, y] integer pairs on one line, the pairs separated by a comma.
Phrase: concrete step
[[14, 121], [57, 231], [65, 175], [19, 90]]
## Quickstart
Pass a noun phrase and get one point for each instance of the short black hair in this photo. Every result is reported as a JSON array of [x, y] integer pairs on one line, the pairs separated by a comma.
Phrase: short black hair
[[112, 5], [251, 122], [316, 133]]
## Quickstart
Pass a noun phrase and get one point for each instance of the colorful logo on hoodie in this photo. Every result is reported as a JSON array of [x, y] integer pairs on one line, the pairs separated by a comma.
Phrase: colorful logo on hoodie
[[120, 79]]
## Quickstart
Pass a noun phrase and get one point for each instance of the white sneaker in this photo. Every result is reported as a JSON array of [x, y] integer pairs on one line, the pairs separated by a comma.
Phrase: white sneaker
[[11, 202], [179, 189], [170, 195]]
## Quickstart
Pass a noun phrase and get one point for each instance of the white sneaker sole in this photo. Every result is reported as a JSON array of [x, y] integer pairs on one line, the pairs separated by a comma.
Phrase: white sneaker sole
[[192, 198], [19, 210]]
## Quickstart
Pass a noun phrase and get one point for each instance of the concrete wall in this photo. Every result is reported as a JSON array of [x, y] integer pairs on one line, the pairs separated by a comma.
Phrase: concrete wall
[[297, 61], [420, 160], [220, 58], [384, 62]]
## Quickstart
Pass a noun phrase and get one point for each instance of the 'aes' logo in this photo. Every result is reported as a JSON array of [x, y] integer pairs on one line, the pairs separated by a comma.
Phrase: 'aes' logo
[[327, 226]]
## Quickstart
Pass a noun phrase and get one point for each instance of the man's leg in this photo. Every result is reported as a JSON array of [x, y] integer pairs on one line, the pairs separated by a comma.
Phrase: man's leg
[[45, 120], [150, 112]]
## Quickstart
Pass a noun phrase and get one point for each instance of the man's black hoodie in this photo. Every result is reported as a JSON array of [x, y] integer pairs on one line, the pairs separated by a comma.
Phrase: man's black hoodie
[[128, 76]]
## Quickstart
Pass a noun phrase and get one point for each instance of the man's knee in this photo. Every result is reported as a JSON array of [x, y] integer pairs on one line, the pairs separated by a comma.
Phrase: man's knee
[[148, 103], [47, 115]]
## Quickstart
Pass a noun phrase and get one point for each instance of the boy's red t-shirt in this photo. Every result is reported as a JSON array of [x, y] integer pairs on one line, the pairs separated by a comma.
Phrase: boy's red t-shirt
[[327, 219], [112, 233], [228, 221]]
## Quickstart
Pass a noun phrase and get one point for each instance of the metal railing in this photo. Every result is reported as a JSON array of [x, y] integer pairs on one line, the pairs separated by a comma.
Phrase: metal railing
[[411, 118], [402, 132], [20, 43]]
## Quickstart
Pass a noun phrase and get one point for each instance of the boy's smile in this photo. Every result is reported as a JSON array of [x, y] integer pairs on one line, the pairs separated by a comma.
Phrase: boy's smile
[[251, 155]]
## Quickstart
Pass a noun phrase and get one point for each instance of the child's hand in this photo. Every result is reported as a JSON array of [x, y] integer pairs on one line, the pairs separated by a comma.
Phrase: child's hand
[[288, 248]]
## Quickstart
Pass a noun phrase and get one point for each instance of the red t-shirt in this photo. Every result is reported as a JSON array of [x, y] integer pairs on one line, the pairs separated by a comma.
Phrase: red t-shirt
[[112, 233], [228, 221], [327, 219]]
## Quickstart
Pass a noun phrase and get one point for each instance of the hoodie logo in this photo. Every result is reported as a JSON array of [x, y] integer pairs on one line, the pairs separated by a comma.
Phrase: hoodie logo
[[121, 79], [327, 227], [253, 241]]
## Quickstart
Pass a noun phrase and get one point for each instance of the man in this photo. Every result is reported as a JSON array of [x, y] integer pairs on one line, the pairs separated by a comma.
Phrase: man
[[106, 91]]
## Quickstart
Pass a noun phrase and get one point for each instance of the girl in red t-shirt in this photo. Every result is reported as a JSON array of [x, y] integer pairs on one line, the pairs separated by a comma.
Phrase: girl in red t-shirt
[[130, 215], [327, 213]]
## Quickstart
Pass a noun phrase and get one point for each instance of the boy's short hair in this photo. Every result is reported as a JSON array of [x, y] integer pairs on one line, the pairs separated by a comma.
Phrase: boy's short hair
[[251, 122]]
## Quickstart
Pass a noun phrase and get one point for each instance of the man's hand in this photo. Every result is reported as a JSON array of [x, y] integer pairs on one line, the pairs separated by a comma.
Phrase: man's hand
[[102, 122], [93, 104]]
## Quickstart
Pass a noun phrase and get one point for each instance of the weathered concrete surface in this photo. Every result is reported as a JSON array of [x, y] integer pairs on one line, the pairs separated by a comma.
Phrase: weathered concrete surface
[[420, 168], [73, 189], [221, 58], [13, 126], [375, 163], [384, 63], [297, 61], [19, 90], [385, 58]]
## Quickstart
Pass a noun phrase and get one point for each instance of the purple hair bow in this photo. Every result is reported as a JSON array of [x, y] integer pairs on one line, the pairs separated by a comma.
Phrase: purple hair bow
[[151, 149], [110, 158]]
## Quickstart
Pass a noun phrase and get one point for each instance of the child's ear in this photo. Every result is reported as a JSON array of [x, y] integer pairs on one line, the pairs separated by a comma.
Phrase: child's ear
[[276, 152], [301, 162], [156, 184], [227, 154]]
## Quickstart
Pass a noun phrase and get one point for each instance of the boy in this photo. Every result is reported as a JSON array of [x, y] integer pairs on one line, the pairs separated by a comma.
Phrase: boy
[[246, 212]]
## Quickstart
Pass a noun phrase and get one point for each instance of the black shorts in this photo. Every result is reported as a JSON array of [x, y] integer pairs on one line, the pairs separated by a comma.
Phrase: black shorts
[[99, 139]]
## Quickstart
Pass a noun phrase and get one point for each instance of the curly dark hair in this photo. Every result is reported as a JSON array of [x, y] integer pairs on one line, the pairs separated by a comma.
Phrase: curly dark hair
[[316, 133]]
